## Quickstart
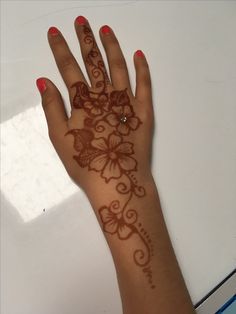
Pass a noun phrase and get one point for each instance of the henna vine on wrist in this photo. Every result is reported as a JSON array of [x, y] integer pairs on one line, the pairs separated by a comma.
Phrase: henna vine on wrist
[[102, 147]]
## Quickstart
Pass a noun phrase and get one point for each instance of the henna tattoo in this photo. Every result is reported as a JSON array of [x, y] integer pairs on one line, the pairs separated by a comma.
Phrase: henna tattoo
[[122, 115], [111, 154], [93, 103], [94, 60]]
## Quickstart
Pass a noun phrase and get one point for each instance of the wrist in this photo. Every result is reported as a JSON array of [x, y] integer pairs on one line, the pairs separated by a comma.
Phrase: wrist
[[99, 191]]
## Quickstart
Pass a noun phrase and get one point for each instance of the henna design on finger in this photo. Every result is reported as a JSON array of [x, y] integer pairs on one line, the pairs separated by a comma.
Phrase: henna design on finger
[[104, 146], [94, 60]]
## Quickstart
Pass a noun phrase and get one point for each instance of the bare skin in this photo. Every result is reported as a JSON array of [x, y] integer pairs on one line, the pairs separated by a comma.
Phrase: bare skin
[[105, 146]]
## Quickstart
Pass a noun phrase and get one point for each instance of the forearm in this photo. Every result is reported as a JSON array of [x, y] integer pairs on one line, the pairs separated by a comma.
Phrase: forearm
[[148, 274]]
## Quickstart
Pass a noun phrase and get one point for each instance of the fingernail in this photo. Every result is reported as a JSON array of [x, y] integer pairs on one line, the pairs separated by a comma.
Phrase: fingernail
[[41, 84], [81, 20], [53, 31], [105, 29], [139, 53]]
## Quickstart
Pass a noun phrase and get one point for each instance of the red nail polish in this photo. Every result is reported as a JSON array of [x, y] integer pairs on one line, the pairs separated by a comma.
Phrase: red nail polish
[[41, 84], [139, 53], [105, 29], [53, 31], [81, 20]]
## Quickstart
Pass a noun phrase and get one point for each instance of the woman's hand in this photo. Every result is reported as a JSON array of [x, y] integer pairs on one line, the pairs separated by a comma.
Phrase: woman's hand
[[105, 146], [109, 131]]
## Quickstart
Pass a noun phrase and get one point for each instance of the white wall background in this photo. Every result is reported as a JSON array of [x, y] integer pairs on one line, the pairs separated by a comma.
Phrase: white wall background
[[54, 258]]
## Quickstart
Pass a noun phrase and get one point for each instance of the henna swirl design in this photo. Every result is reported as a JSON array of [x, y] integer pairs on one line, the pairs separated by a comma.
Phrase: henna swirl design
[[103, 146]]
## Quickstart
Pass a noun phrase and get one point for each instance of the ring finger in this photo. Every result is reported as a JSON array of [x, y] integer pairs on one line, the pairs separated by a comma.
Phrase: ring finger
[[117, 65]]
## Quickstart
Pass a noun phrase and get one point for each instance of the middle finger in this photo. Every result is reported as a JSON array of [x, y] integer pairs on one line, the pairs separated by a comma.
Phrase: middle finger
[[91, 54]]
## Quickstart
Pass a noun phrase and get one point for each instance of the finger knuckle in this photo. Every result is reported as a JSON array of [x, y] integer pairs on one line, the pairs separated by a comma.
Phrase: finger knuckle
[[66, 62], [48, 99], [147, 82], [145, 79], [119, 63]]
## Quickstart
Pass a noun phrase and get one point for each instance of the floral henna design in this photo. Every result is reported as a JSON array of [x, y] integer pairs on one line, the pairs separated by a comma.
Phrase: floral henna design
[[93, 103], [122, 115], [111, 154], [114, 222], [114, 157], [117, 220]]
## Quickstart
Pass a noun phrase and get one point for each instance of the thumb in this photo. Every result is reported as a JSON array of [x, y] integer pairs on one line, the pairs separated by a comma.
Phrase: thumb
[[53, 106]]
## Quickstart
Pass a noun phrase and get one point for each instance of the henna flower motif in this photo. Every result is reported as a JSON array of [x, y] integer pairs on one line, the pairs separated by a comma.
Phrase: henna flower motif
[[97, 104], [113, 222], [93, 103], [113, 157], [119, 98], [123, 118]]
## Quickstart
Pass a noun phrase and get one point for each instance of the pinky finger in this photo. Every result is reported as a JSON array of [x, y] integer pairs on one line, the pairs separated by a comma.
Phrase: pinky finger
[[143, 80]]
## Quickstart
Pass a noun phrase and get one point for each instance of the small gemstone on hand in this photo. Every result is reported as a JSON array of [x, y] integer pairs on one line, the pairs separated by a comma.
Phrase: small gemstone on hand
[[123, 119]]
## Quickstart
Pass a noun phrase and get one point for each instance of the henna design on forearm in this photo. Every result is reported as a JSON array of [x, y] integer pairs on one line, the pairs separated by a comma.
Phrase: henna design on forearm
[[111, 154]]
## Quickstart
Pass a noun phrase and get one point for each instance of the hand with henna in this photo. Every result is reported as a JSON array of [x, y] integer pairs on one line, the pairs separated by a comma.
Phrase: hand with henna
[[105, 146]]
